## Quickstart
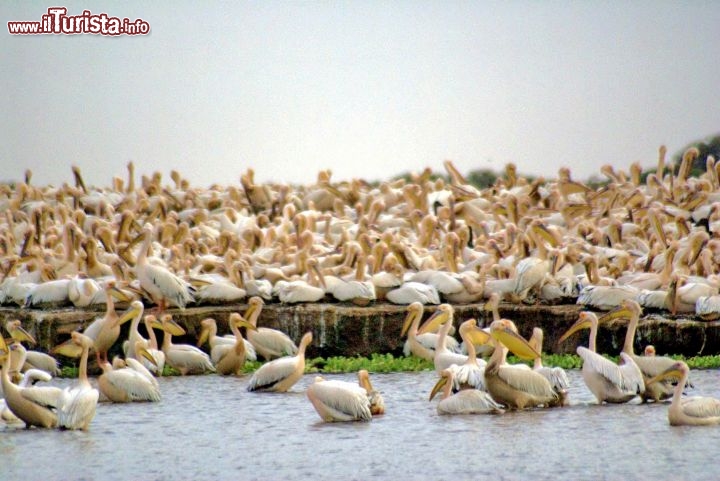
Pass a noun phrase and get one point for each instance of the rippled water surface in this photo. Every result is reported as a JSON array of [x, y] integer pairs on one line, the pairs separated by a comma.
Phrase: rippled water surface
[[210, 427]]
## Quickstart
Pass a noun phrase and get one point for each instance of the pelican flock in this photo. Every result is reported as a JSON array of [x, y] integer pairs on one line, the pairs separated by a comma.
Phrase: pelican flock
[[626, 246]]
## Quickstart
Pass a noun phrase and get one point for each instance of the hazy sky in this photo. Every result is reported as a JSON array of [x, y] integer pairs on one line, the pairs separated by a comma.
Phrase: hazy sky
[[367, 88]]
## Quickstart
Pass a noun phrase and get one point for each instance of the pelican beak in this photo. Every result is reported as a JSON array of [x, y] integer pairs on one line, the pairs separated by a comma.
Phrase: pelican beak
[[670, 373], [119, 295], [204, 334], [19, 334], [434, 322], [478, 336], [542, 232], [580, 324], [242, 322], [364, 378], [408, 320], [69, 348], [515, 342], [438, 387], [173, 328], [129, 314], [142, 351], [620, 312]]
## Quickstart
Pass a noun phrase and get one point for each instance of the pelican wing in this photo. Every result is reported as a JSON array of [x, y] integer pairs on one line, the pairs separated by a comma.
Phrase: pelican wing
[[701, 407], [340, 401], [186, 356], [77, 406], [47, 396], [140, 368], [45, 362], [627, 377], [220, 292], [556, 376], [272, 342], [272, 372], [176, 290], [526, 380], [138, 387], [469, 401]]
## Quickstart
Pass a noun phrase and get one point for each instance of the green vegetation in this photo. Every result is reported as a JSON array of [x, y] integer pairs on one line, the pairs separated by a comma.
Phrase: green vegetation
[[390, 363]]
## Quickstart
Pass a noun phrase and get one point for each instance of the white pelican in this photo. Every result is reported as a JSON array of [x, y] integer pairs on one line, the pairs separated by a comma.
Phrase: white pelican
[[269, 343], [185, 358], [208, 333], [42, 361], [410, 292], [466, 401], [281, 374], [230, 359], [421, 345], [162, 286], [29, 411], [443, 357], [153, 348], [77, 405], [650, 366], [377, 403], [512, 387], [556, 375], [131, 383], [605, 298], [688, 411], [339, 400], [104, 331], [300, 290], [609, 382], [707, 308], [29, 378]]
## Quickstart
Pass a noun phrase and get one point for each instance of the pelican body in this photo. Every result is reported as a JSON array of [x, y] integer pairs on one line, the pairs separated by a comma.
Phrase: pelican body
[[281, 374], [688, 411]]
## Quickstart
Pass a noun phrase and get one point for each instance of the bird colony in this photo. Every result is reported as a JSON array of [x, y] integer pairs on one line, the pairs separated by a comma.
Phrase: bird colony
[[636, 243]]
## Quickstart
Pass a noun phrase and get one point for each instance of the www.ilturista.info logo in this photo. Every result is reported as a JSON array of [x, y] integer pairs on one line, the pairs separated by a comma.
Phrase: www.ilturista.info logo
[[57, 21]]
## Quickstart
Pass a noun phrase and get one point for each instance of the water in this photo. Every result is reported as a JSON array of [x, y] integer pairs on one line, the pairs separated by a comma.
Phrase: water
[[210, 427]]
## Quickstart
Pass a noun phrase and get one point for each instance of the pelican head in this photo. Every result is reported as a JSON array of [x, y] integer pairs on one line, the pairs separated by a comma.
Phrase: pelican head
[[585, 321], [445, 377], [239, 321], [505, 332], [16, 331], [167, 324], [207, 325], [414, 310], [675, 371], [442, 314]]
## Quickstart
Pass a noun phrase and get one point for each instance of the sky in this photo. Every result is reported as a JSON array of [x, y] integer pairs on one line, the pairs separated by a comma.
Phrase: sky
[[369, 89]]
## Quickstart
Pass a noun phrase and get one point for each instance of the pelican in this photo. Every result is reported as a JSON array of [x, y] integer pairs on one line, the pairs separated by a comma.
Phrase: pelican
[[377, 403], [208, 333], [466, 401], [269, 343], [650, 366], [605, 298], [230, 358], [556, 375], [281, 374], [515, 388], [339, 400], [300, 290], [31, 412], [77, 405], [185, 358], [420, 345], [443, 357], [30, 377], [104, 331], [688, 411], [42, 361], [163, 287], [153, 348], [410, 292], [134, 382], [609, 382]]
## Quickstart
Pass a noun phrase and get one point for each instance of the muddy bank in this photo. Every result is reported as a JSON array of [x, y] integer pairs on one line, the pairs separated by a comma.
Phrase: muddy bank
[[345, 330]]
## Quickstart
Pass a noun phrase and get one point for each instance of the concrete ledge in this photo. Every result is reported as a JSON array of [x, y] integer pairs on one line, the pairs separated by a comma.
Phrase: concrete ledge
[[347, 330]]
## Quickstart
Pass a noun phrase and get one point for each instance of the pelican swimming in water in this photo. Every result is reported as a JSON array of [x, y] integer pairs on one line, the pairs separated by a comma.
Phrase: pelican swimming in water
[[345, 401], [230, 358], [465, 401], [609, 382], [77, 405], [133, 382], [281, 374], [30, 411], [650, 366], [269, 343], [512, 387], [688, 411]]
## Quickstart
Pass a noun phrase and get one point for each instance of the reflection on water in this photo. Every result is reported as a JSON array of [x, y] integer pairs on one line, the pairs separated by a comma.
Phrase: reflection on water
[[210, 427]]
